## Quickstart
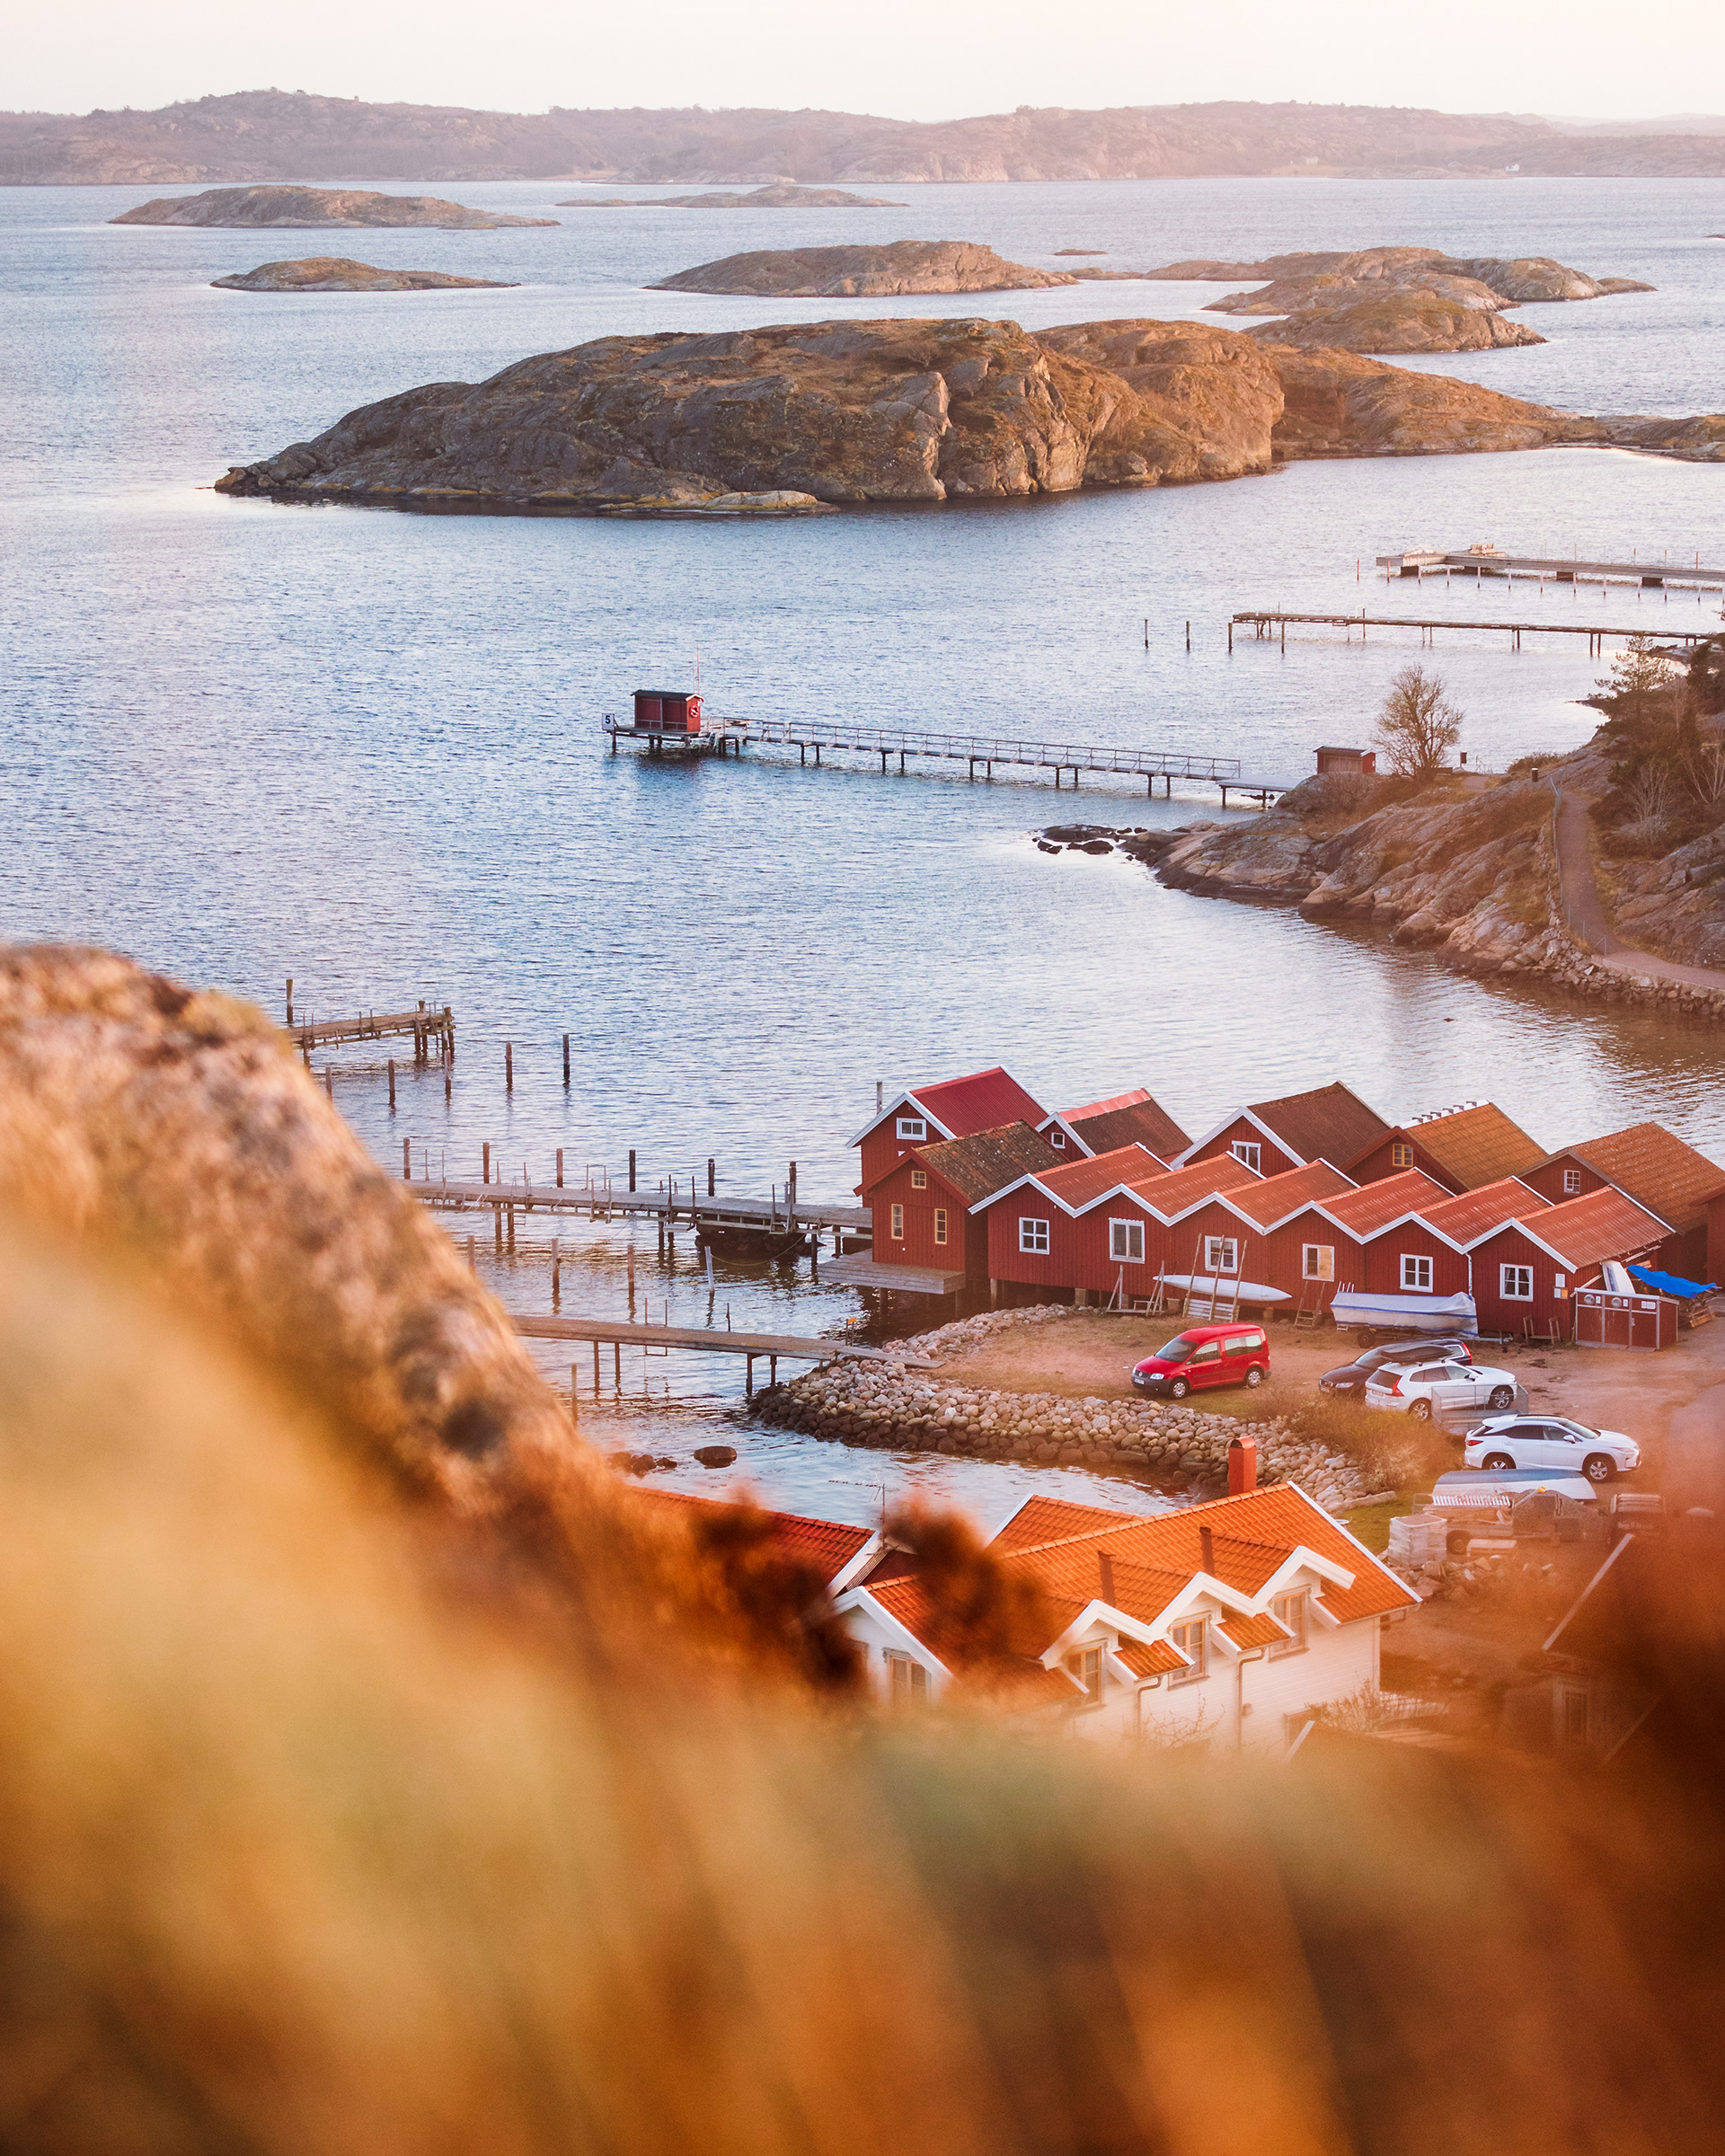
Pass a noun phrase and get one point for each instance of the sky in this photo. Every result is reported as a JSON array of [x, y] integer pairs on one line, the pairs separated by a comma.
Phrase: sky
[[900, 57]]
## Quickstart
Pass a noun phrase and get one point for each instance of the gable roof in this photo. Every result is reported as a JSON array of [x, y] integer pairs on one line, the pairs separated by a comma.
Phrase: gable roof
[[1375, 1206], [1126, 1119], [1327, 1124], [1279, 1195], [1657, 1169], [830, 1545], [958, 1107], [976, 1167], [1586, 1230], [1080, 1183], [1464, 1220], [1475, 1145], [1177, 1191]]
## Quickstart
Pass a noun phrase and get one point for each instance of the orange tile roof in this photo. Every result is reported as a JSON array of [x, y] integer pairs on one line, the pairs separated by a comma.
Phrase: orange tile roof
[[1327, 1124], [1476, 1213], [1079, 1183], [1049, 1520], [1277, 1195], [1657, 1170], [1153, 1661], [1135, 1098], [1370, 1210], [1129, 1118], [1603, 1224], [1263, 1631], [829, 1544], [1475, 1145], [1183, 1188]]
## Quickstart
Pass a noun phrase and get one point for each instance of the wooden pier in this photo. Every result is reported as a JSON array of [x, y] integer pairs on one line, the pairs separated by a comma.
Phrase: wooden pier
[[1264, 626], [423, 1026], [672, 1207], [820, 737], [756, 1346], [1486, 562]]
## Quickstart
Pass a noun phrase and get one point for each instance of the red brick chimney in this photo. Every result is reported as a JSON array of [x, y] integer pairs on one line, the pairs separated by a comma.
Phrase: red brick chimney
[[1207, 1545], [1106, 1563], [1242, 1465]]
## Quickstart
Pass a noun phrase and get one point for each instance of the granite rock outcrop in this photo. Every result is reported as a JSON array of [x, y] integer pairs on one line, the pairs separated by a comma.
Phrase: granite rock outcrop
[[1401, 319], [303, 209], [1304, 279], [785, 194], [905, 267], [337, 273], [902, 410]]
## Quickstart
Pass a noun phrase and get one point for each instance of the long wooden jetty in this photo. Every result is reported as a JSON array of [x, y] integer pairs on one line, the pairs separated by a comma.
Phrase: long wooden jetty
[[1265, 625], [672, 1206], [824, 737], [424, 1026], [772, 1347], [1555, 569]]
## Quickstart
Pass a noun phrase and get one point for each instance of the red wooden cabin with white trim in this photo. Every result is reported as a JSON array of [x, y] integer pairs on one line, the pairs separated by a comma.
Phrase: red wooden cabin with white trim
[[1096, 1226], [925, 1206], [1526, 1271], [1132, 1118], [1329, 1123], [952, 1107]]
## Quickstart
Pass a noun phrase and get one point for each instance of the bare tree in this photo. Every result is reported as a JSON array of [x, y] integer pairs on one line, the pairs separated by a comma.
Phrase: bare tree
[[1419, 725]]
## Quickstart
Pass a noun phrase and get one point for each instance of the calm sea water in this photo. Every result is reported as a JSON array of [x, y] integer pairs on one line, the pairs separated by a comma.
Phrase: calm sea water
[[361, 748]]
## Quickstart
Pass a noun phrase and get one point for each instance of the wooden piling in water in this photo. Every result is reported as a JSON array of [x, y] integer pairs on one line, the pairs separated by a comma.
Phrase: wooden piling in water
[[565, 1062], [509, 1067], [559, 1167], [391, 1085], [407, 1159], [485, 1162], [632, 1168]]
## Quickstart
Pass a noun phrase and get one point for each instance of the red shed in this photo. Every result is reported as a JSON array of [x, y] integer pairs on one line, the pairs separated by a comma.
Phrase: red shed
[[1461, 1148], [924, 1205], [1655, 1169], [1525, 1272], [1131, 1118], [1329, 1124], [953, 1108], [1341, 1246], [667, 712], [1082, 1226]]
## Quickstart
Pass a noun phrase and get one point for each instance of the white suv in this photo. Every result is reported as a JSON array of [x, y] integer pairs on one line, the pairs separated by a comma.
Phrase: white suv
[[1550, 1441], [1425, 1389]]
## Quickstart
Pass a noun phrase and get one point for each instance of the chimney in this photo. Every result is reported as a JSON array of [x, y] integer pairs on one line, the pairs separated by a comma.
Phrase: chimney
[[1242, 1465], [1206, 1543], [1107, 1564]]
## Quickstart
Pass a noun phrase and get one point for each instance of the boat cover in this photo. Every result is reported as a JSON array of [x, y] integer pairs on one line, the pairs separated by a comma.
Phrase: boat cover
[[1409, 1313], [1668, 1284]]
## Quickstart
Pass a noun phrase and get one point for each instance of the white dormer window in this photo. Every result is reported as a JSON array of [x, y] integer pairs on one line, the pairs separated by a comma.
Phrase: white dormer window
[[913, 1130], [1572, 1182], [1086, 1666], [1058, 1139], [907, 1680], [1252, 1155], [1289, 1609], [1189, 1639]]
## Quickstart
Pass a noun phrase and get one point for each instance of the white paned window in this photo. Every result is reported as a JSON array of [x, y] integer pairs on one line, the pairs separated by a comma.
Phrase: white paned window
[[1572, 1182], [1086, 1666], [1190, 1641], [1289, 1609], [1033, 1236], [1221, 1254], [1252, 1155], [1126, 1241], [1516, 1282], [939, 1223], [1416, 1274], [1401, 1156], [1318, 1260], [909, 1680], [913, 1128]]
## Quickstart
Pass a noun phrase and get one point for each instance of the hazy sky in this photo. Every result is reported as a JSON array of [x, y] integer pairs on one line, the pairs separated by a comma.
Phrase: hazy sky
[[899, 57]]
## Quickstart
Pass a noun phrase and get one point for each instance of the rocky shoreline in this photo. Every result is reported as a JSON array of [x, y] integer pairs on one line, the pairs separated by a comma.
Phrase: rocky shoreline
[[890, 1408]]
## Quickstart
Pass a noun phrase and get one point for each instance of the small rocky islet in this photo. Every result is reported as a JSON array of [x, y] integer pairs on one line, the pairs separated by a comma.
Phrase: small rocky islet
[[305, 209], [782, 194], [889, 272], [337, 273], [800, 414]]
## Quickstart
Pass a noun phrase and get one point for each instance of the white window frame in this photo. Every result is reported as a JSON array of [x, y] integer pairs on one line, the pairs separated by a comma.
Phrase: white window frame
[[919, 1179], [1289, 1609], [1251, 1152], [898, 1229], [1085, 1663], [1416, 1273], [1180, 1636], [1317, 1261], [1509, 1279], [1058, 1139], [1033, 1237], [913, 1130], [940, 1225], [906, 1679], [1572, 1182], [1559, 1286], [1121, 1236], [1221, 1256]]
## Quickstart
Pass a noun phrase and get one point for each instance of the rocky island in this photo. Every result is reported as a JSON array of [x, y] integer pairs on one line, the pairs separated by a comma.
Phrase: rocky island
[[905, 410], [337, 273], [784, 194], [1395, 300], [297, 209], [907, 265]]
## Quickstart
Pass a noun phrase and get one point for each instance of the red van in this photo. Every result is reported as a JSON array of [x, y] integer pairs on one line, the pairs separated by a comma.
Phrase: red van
[[1205, 1355]]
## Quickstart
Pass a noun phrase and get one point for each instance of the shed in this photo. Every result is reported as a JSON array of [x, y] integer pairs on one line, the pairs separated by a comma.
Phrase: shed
[[667, 712], [1132, 1118], [1653, 1166], [1361, 763], [950, 1108], [1329, 1123], [1462, 1148], [924, 1206]]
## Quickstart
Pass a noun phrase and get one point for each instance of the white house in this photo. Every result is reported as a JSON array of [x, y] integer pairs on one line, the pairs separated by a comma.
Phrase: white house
[[1224, 1623]]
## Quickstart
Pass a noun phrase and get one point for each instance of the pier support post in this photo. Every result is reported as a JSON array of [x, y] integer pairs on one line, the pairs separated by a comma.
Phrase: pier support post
[[565, 1062], [749, 1377], [1230, 639], [509, 1067], [711, 1172], [632, 1168], [391, 1085], [485, 1162], [556, 1274], [407, 1159], [559, 1167], [511, 1231], [497, 1229], [290, 999]]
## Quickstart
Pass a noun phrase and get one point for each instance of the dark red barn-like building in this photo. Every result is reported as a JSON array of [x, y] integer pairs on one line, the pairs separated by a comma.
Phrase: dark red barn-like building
[[923, 1206], [1329, 1124], [1647, 1163], [953, 1108], [1463, 1149], [1132, 1118]]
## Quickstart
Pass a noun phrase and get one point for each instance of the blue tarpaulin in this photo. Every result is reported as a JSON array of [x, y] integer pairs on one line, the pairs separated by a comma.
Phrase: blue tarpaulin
[[1668, 1284]]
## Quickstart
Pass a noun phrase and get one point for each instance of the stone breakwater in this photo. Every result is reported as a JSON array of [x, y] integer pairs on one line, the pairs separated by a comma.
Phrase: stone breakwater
[[888, 1407]]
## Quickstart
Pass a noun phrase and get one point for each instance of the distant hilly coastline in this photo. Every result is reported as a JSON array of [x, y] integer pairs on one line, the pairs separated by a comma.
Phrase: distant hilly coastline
[[263, 135]]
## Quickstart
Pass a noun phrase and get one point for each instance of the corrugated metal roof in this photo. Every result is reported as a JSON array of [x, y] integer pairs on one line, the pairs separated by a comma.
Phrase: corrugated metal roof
[[981, 1102], [1603, 1224], [1464, 1220], [1327, 1124], [1657, 1169], [1370, 1209], [1277, 1195], [1475, 1145], [977, 1166], [1078, 1183], [1130, 1119], [1181, 1188]]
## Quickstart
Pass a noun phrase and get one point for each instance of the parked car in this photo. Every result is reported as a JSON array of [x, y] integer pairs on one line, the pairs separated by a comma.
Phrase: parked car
[[1550, 1441], [1427, 1389], [1203, 1355], [1350, 1378]]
